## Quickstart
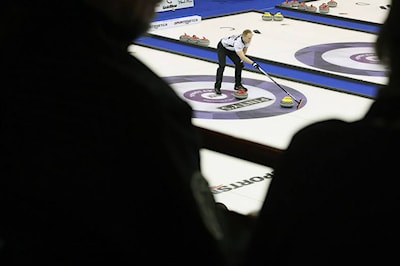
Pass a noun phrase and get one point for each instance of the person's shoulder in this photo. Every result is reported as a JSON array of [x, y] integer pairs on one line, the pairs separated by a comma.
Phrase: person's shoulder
[[323, 132], [328, 125]]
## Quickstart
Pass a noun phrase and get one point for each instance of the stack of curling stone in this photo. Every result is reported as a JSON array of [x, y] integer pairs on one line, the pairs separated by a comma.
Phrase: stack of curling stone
[[287, 102], [194, 40], [267, 16]]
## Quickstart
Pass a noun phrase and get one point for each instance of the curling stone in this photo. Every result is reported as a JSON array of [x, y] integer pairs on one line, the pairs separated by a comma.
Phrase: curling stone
[[278, 16], [184, 37], [267, 16], [311, 8], [295, 3], [324, 8], [203, 41], [302, 6], [287, 102], [332, 3], [193, 40], [287, 3], [240, 94]]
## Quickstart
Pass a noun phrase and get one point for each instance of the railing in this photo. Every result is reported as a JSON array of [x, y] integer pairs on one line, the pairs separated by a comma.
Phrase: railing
[[239, 148]]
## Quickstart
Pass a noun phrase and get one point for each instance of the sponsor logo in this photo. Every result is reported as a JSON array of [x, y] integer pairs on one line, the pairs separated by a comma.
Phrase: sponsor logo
[[163, 24], [240, 184]]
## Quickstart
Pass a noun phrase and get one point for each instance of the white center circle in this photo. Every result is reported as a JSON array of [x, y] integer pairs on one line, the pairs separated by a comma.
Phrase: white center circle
[[212, 102], [343, 57]]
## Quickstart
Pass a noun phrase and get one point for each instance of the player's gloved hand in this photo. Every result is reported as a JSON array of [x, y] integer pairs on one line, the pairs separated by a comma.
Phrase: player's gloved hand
[[255, 65]]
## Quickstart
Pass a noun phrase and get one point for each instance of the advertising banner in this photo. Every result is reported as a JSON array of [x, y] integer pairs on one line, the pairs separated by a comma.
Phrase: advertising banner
[[164, 24], [167, 5]]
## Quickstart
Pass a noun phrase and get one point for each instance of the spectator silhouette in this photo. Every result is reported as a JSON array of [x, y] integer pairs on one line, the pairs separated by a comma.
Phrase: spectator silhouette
[[334, 198], [100, 159]]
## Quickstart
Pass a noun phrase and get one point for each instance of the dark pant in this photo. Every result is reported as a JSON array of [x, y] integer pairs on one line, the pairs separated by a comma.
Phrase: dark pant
[[222, 53]]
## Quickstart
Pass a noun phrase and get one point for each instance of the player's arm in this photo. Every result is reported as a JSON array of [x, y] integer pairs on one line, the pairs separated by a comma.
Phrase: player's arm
[[243, 56]]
